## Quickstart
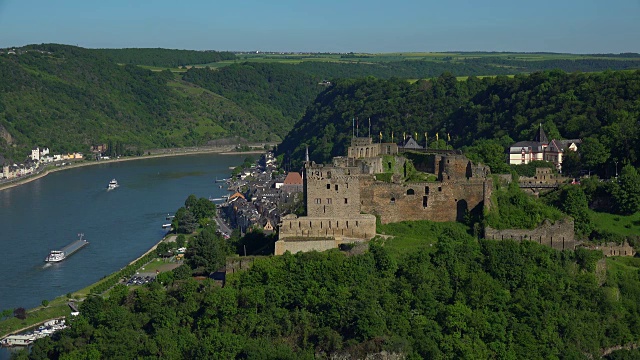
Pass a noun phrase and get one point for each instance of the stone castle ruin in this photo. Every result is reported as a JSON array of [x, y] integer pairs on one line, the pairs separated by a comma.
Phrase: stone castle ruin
[[343, 199]]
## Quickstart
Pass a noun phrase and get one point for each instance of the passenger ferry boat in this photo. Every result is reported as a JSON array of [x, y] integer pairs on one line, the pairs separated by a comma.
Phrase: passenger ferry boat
[[112, 184]]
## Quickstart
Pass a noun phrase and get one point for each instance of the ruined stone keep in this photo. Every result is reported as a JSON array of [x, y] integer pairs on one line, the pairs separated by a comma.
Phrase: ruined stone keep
[[342, 199]]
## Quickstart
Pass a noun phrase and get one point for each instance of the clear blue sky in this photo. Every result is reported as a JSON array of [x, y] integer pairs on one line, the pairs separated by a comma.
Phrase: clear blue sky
[[576, 26]]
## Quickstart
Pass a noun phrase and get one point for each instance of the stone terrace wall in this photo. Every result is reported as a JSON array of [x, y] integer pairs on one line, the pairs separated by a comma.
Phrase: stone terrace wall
[[305, 245], [559, 235]]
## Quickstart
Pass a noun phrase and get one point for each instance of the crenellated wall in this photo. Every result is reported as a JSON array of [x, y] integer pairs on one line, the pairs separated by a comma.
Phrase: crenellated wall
[[317, 233], [362, 226]]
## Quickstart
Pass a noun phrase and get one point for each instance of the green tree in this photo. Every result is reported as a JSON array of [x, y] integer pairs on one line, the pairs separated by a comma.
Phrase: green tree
[[45, 303], [571, 164], [593, 153], [627, 193], [20, 313], [207, 251], [190, 202], [181, 241], [573, 201]]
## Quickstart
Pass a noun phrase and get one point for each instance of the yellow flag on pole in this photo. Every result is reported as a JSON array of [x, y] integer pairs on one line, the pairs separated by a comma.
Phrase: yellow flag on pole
[[448, 137], [436, 136]]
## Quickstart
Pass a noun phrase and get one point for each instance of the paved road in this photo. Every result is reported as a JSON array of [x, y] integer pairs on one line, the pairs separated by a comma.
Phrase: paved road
[[222, 226]]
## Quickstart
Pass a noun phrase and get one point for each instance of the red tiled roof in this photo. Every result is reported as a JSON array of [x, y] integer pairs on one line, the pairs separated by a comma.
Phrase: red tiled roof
[[237, 194], [293, 178]]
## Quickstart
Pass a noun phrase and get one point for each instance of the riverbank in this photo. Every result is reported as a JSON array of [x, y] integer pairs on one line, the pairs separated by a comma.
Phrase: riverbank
[[222, 150], [58, 308]]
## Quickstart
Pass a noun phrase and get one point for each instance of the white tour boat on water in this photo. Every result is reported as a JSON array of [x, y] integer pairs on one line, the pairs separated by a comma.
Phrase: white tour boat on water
[[112, 184]]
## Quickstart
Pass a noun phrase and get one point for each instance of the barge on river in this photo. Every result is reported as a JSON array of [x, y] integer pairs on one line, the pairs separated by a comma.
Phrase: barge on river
[[59, 255]]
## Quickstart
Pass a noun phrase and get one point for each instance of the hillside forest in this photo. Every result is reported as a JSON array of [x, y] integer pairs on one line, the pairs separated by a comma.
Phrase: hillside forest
[[452, 297], [93, 96]]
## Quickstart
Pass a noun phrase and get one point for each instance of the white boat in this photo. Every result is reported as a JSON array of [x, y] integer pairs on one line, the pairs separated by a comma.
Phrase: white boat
[[112, 184], [55, 256], [166, 226]]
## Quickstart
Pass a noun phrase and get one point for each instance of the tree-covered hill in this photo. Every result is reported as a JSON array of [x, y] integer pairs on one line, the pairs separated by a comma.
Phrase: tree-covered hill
[[275, 93], [68, 98], [164, 57], [602, 107], [460, 298]]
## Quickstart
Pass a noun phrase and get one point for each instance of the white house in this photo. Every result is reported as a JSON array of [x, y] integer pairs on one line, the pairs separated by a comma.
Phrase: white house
[[541, 149]]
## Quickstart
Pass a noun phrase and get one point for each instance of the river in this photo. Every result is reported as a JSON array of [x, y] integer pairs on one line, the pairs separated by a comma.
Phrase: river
[[120, 224]]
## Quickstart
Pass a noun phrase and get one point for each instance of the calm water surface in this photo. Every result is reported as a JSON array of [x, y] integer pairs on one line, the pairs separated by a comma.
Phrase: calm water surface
[[120, 225]]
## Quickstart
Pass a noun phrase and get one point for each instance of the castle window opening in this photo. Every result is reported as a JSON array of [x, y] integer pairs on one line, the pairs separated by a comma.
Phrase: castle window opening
[[324, 209], [393, 200], [320, 224], [356, 223], [439, 188], [318, 201], [329, 201], [347, 224], [336, 187], [346, 201], [310, 225], [425, 201], [426, 190], [328, 174], [328, 186], [411, 192]]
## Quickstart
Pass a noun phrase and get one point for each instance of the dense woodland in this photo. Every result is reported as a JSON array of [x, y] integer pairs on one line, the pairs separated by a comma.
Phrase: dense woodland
[[164, 57], [484, 115], [277, 94], [460, 298]]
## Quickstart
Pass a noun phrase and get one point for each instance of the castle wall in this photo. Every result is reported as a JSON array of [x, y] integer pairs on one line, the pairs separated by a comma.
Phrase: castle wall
[[356, 226], [559, 235], [294, 246], [615, 249], [439, 201]]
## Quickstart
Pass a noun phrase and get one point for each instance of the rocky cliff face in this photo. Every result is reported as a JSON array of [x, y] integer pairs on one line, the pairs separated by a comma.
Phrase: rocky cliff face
[[4, 135]]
